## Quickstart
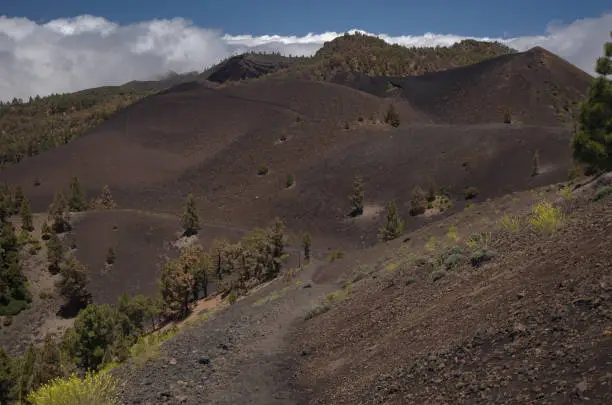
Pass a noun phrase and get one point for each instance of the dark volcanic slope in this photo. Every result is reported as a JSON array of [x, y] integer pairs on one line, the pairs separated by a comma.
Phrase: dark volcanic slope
[[536, 86], [248, 66], [211, 142], [141, 241]]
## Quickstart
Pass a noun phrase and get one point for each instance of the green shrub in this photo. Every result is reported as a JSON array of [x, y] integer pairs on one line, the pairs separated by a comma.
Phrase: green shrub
[[93, 389], [603, 192], [438, 275], [262, 170], [392, 117], [318, 310], [545, 217], [454, 260], [147, 346], [481, 256], [470, 192], [335, 254], [510, 223], [289, 182], [13, 307]]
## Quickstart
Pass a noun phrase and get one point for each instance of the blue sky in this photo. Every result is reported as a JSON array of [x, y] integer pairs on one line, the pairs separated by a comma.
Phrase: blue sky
[[56, 46], [298, 17]]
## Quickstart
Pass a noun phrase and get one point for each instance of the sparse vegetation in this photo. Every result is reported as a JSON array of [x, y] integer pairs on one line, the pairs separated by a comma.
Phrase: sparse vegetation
[[335, 254], [394, 226], [290, 181], [418, 201], [94, 388], [535, 167], [104, 201], [392, 116], [470, 193], [76, 197], [262, 170], [306, 246], [58, 213], [510, 223], [545, 217], [603, 192], [357, 196], [26, 215]]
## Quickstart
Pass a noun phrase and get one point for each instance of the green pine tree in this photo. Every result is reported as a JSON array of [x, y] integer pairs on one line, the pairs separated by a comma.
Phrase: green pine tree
[[26, 215], [394, 226], [306, 244], [58, 213], [55, 253], [76, 198], [191, 221], [593, 140], [356, 197]]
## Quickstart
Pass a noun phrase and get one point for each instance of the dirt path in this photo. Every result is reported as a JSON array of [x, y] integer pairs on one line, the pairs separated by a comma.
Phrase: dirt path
[[239, 356]]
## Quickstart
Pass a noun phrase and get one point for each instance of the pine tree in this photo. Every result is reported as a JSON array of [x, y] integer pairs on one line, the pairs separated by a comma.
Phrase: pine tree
[[55, 253], [306, 244], [73, 284], [76, 197], [176, 287], [593, 141], [7, 378], [394, 226], [26, 216], [58, 213], [104, 200], [356, 197], [535, 169], [191, 222], [18, 197]]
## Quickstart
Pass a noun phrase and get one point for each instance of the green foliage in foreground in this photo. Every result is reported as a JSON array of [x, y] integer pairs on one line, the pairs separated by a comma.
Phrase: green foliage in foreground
[[93, 389]]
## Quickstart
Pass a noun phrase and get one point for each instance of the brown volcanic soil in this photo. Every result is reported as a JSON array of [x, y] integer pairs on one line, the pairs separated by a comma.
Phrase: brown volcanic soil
[[533, 326], [142, 241]]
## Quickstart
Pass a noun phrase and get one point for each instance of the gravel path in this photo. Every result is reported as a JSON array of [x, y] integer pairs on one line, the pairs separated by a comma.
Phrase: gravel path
[[240, 355]]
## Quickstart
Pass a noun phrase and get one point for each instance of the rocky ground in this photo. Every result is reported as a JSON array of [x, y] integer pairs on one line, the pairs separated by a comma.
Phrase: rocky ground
[[239, 355]]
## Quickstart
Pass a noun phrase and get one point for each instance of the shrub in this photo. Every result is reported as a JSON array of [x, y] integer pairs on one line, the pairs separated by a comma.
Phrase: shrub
[[147, 346], [289, 182], [507, 117], [356, 196], [8, 320], [470, 192], [418, 201], [479, 240], [262, 170], [546, 218], [535, 168], [566, 192], [392, 117], [510, 223], [454, 260], [574, 172], [13, 307], [603, 192], [94, 388], [453, 234], [318, 310], [481, 256], [438, 275], [110, 256], [394, 226], [335, 254]]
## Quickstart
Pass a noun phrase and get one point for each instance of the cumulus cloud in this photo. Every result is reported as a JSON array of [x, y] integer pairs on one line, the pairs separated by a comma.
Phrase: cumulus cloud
[[71, 54]]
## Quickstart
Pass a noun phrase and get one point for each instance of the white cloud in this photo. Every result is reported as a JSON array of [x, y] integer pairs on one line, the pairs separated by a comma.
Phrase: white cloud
[[75, 53]]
